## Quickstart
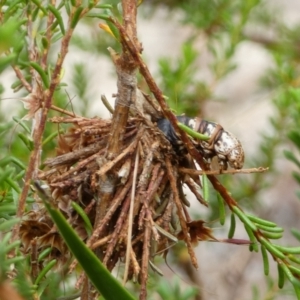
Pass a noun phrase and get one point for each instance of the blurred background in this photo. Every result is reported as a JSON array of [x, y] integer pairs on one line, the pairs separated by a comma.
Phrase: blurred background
[[232, 62]]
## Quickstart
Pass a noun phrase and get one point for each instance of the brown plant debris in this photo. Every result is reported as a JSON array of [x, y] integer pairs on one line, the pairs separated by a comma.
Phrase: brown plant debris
[[105, 188]]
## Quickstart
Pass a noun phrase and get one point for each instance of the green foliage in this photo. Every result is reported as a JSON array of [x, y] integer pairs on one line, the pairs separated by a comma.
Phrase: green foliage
[[224, 24], [108, 286], [179, 83], [21, 280], [171, 290], [81, 85]]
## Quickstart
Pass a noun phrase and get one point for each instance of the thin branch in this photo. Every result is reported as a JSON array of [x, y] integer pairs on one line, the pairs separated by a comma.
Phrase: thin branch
[[107, 104], [70, 157], [113, 207], [145, 258], [49, 34], [21, 77], [135, 264], [126, 71], [221, 172], [63, 111], [48, 96], [156, 179], [190, 183], [115, 236], [182, 221], [130, 218], [105, 168]]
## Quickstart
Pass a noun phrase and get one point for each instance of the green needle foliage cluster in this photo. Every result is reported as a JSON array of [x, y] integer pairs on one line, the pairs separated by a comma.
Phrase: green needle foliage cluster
[[36, 36]]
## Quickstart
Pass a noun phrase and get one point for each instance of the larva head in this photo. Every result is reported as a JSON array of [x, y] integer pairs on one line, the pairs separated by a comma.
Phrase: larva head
[[236, 157]]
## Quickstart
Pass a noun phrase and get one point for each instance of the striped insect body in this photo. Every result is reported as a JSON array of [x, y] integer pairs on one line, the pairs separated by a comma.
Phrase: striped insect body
[[230, 149], [222, 144]]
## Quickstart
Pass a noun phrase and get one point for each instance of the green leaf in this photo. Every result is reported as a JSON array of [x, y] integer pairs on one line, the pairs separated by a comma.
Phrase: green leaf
[[6, 60], [294, 270], [8, 171], [270, 229], [113, 29], [252, 238], [290, 156], [27, 141], [296, 233], [40, 6], [13, 184], [244, 218], [22, 123], [56, 37], [193, 133], [12, 7], [8, 34], [106, 284], [280, 276], [222, 213], [7, 209], [273, 250], [232, 226], [265, 259], [76, 17], [297, 291], [205, 188], [296, 175], [45, 270], [87, 223], [293, 258], [42, 73], [101, 16], [166, 233], [104, 6], [294, 136], [58, 17], [260, 221], [273, 235], [51, 137], [44, 254], [8, 224]]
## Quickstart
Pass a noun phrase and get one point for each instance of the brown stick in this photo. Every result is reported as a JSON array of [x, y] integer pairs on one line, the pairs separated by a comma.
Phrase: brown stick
[[21, 77], [194, 190], [135, 264], [48, 96], [114, 205], [221, 172], [114, 239], [104, 169], [70, 157], [184, 228], [145, 258], [49, 33], [156, 179], [79, 166], [63, 111], [130, 217], [126, 71]]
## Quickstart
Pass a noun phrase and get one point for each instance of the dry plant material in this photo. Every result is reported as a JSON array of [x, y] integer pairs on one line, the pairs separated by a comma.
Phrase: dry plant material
[[126, 177], [145, 209], [77, 175], [130, 188]]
